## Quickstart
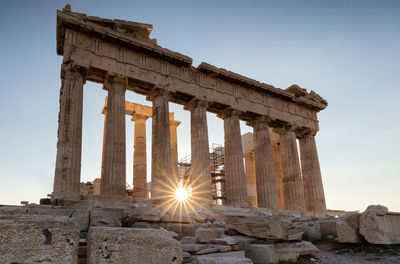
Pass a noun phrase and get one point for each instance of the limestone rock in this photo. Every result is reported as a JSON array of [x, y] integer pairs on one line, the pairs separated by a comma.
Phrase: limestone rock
[[213, 249], [38, 239], [274, 253], [243, 241], [188, 240], [311, 230], [209, 233], [105, 221], [226, 241], [379, 226], [328, 227], [236, 257], [347, 228], [187, 258], [132, 245], [193, 247], [259, 227]]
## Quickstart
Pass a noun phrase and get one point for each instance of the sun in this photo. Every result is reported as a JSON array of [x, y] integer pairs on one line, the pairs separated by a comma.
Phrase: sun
[[181, 193]]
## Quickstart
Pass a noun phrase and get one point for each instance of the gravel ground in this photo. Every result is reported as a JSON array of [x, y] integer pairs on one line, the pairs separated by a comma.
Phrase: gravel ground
[[354, 254]]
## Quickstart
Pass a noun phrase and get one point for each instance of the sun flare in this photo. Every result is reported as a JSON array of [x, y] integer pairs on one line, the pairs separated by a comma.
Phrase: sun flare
[[181, 193]]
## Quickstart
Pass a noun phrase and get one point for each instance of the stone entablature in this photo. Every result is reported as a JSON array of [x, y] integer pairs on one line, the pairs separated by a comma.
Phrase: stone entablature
[[104, 52]]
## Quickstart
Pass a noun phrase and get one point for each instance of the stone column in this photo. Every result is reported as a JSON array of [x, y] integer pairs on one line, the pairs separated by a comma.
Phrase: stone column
[[139, 157], [174, 144], [250, 166], [200, 178], [312, 180], [163, 183], [276, 153], [235, 179], [291, 174], [104, 142], [114, 178], [267, 196], [69, 145]]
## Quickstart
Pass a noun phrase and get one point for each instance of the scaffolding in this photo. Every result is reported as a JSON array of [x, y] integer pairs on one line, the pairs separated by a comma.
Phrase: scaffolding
[[217, 170]]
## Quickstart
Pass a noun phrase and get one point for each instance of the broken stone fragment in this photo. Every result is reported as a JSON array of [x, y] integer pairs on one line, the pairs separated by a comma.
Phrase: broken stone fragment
[[347, 228], [132, 245], [208, 233], [379, 226], [225, 241], [236, 257], [193, 247], [280, 252], [260, 227], [188, 240]]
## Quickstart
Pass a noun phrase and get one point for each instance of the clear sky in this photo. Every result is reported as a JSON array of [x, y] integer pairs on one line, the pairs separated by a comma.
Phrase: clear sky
[[346, 51]]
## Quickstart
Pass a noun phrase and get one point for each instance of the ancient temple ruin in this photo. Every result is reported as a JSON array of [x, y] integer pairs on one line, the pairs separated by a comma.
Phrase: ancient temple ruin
[[122, 56], [269, 201]]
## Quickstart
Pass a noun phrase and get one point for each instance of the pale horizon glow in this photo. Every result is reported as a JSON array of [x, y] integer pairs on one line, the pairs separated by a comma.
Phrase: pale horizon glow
[[346, 51]]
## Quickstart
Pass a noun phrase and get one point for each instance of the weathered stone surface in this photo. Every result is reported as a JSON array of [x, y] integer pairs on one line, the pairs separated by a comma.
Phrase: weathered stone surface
[[243, 241], [379, 226], [328, 227], [193, 247], [188, 240], [267, 195], [38, 239], [226, 240], [235, 179], [132, 245], [347, 228], [311, 230], [206, 233], [274, 253], [107, 217], [181, 229], [210, 248], [236, 257], [259, 227], [200, 156], [187, 258]]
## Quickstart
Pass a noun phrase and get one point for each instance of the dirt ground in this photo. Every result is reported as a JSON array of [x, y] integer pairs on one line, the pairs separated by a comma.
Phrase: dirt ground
[[331, 253]]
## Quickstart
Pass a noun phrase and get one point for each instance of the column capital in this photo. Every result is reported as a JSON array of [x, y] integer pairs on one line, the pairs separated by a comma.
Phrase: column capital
[[286, 127], [174, 123], [305, 131], [155, 92], [194, 103], [260, 120], [112, 80], [228, 113], [72, 67], [136, 117]]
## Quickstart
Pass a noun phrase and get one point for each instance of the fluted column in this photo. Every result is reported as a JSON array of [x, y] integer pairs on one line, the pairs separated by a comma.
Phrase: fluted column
[[114, 178], [104, 141], [235, 179], [162, 181], [200, 155], [291, 174], [267, 196], [173, 124], [69, 143], [250, 167], [312, 180], [139, 157], [276, 153]]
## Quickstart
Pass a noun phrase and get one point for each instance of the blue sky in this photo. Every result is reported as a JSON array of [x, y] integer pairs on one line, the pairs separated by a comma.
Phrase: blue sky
[[347, 51]]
